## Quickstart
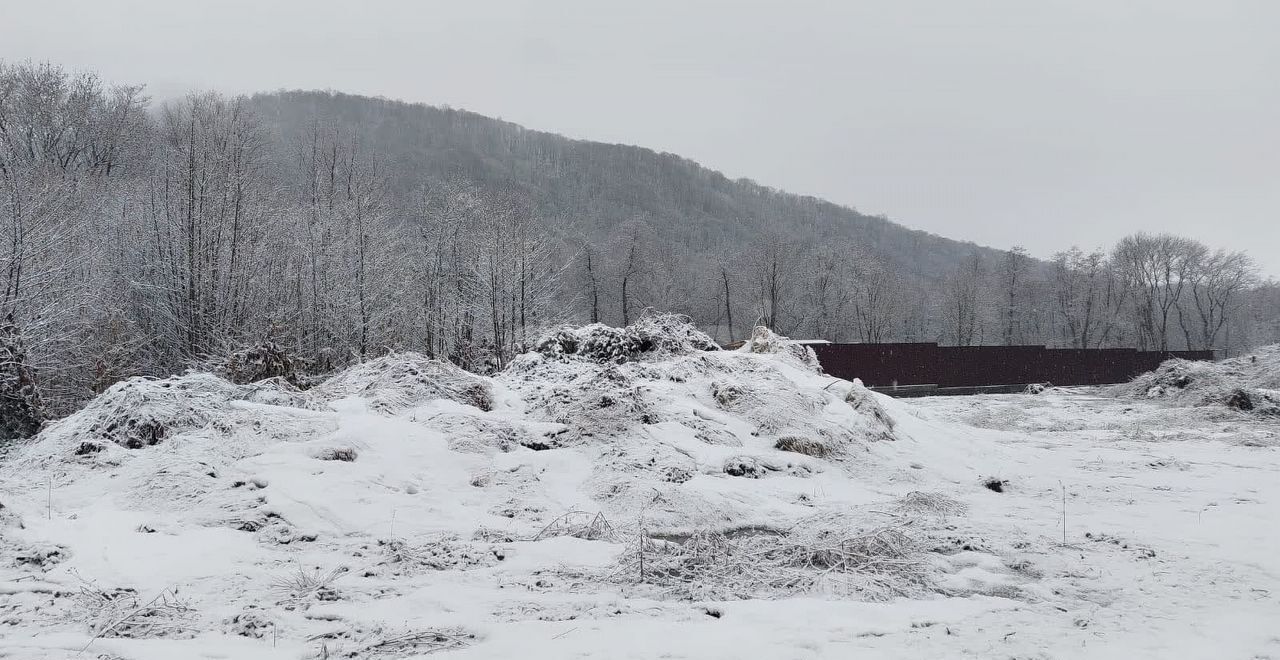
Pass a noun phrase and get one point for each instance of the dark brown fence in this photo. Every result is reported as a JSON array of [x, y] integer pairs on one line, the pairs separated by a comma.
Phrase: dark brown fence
[[880, 365]]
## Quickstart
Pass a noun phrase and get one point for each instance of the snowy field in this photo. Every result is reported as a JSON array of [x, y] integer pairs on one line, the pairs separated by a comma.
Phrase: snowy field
[[627, 494]]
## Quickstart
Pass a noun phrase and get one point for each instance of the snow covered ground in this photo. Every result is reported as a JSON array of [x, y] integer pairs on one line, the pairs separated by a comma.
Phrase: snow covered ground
[[681, 504]]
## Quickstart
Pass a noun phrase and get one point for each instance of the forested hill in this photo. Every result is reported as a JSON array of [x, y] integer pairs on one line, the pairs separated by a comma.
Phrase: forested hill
[[328, 229], [591, 188]]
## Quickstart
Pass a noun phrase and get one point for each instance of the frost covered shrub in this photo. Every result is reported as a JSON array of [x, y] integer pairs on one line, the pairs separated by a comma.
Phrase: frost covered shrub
[[21, 408], [399, 381], [260, 362], [344, 454], [657, 334]]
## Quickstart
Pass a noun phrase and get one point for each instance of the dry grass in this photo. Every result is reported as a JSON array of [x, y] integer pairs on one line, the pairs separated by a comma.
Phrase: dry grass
[[120, 613], [917, 503], [304, 584], [804, 446], [447, 553], [816, 556], [383, 644]]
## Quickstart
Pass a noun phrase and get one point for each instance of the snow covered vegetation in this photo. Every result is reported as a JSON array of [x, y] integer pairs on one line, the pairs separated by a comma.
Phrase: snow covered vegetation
[[1250, 383], [639, 492]]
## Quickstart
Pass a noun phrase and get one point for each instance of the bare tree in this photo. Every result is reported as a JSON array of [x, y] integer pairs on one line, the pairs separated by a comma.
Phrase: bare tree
[[1216, 282], [1155, 268], [633, 257], [1013, 269], [877, 300], [964, 301], [773, 266]]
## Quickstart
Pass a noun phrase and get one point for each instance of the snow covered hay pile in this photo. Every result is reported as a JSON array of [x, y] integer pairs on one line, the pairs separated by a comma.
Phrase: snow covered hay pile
[[622, 462], [1249, 384]]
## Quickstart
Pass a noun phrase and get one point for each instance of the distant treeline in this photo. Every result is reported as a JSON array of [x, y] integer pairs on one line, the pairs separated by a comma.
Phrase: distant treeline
[[146, 240]]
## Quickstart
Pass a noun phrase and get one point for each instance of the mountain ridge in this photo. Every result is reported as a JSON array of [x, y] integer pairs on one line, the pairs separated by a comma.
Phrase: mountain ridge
[[596, 186]]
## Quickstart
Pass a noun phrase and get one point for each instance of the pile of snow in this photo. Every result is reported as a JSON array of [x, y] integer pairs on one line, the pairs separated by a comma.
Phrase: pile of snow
[[764, 340], [399, 381], [611, 462], [1249, 384]]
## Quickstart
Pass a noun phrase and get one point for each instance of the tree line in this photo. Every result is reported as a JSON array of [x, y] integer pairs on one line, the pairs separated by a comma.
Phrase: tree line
[[141, 239]]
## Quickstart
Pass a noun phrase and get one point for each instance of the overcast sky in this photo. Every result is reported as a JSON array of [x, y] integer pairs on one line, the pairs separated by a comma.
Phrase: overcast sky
[[1033, 122]]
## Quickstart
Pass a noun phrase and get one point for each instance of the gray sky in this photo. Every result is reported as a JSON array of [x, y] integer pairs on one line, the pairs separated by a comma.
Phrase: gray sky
[[1045, 123]]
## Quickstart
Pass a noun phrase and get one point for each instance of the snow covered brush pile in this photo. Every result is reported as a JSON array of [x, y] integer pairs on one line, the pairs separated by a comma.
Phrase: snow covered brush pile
[[639, 459], [141, 412], [661, 409], [652, 336], [1249, 383]]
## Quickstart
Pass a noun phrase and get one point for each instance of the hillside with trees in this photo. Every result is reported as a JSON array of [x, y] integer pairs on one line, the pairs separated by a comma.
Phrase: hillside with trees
[[318, 229]]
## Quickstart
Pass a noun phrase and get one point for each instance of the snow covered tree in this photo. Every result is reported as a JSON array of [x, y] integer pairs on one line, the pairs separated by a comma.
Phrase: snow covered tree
[[21, 410]]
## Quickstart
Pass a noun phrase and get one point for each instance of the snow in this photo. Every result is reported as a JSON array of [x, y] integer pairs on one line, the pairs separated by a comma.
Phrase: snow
[[508, 517], [1250, 383]]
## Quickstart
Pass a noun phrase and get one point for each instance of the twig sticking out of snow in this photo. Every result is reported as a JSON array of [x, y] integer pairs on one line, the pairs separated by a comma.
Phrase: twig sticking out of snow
[[420, 642], [380, 644], [579, 524]]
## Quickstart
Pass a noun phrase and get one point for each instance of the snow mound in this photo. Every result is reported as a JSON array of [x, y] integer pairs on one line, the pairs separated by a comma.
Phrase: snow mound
[[656, 421], [397, 382], [1249, 383], [194, 508], [764, 340], [141, 412]]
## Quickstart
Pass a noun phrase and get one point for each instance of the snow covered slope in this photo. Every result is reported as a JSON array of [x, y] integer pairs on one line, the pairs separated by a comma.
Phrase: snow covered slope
[[630, 493]]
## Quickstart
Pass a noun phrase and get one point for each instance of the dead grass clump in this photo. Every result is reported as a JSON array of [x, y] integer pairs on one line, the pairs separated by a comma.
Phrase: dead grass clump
[[447, 553], [345, 454], [381, 643], [917, 503], [804, 446], [120, 613], [874, 564], [303, 584]]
